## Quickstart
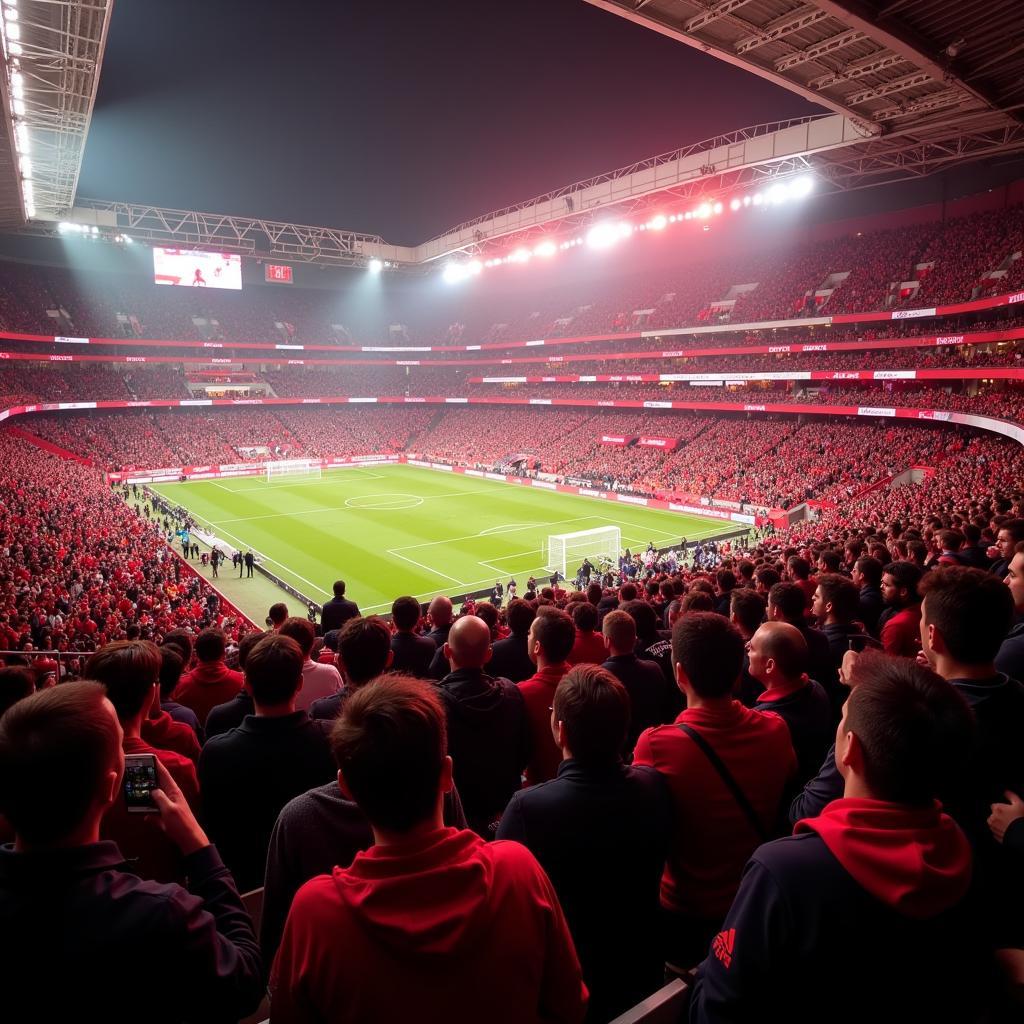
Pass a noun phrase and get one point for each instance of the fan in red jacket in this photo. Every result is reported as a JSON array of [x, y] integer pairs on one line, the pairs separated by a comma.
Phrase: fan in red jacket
[[211, 682], [431, 924], [862, 911]]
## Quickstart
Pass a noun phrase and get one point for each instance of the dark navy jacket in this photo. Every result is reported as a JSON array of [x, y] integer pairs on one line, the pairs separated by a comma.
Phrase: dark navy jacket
[[602, 835], [82, 938], [808, 713], [509, 659], [804, 942], [649, 695]]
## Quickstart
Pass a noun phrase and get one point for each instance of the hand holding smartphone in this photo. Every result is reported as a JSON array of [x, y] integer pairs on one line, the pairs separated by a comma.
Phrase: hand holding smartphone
[[150, 789], [140, 780]]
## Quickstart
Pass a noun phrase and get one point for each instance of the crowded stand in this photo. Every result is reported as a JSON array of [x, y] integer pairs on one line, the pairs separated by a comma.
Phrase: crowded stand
[[780, 768]]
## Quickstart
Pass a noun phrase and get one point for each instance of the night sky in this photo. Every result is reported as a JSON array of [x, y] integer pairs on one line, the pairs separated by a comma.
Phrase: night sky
[[400, 117]]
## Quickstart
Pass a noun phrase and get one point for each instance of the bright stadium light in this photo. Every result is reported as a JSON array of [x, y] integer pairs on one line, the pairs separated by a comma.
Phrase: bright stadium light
[[519, 256], [545, 248], [777, 194], [602, 236], [703, 211], [717, 207], [734, 205], [375, 266], [758, 198], [473, 267], [801, 188], [658, 223], [454, 273]]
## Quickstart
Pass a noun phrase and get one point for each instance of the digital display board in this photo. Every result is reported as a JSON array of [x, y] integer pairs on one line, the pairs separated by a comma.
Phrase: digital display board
[[277, 273], [192, 268]]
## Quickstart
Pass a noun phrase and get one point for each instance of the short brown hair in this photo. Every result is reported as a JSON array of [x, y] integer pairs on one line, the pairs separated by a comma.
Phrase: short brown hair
[[302, 631], [390, 742], [555, 632], [842, 594], [710, 649], [16, 683], [210, 645], [363, 646], [55, 748], [973, 610], [594, 707], [273, 669], [916, 729], [128, 669]]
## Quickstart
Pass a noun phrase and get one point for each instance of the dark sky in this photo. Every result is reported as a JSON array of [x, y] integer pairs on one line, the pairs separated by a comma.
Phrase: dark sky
[[400, 117]]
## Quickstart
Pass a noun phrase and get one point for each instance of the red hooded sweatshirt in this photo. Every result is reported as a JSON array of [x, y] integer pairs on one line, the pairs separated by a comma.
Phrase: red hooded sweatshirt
[[441, 929], [916, 860]]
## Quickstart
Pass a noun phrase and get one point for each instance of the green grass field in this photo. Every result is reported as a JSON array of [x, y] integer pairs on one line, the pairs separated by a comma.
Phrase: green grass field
[[398, 529]]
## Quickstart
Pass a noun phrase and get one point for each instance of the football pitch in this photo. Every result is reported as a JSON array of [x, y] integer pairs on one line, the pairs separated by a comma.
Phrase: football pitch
[[396, 529]]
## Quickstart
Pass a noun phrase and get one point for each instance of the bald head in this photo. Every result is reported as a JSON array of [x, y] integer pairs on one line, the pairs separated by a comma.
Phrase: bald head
[[469, 643], [778, 653], [440, 610]]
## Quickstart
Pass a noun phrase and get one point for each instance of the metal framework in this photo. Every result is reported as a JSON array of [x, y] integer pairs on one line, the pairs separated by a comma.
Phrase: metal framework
[[914, 85], [52, 55]]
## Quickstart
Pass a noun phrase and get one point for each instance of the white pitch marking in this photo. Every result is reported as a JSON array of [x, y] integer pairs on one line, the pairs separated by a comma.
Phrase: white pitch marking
[[426, 568]]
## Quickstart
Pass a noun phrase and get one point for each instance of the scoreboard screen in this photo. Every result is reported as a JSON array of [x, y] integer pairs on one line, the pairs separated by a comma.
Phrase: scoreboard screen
[[277, 273], [192, 268]]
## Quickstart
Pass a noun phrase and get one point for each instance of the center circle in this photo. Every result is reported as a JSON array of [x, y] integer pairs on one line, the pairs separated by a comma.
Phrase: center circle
[[384, 502]]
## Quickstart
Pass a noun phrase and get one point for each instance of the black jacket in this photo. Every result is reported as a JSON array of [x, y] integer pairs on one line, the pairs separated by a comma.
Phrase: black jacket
[[808, 713], [871, 607], [413, 654], [82, 938], [602, 835], [489, 742], [649, 694], [229, 715], [510, 660], [248, 774], [337, 612]]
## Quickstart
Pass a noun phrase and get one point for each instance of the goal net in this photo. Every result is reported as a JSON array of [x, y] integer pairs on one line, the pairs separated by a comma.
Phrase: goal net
[[566, 551], [292, 469]]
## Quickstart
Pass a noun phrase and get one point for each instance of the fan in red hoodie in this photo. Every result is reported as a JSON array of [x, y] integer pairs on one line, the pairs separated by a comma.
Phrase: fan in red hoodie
[[861, 915], [430, 924]]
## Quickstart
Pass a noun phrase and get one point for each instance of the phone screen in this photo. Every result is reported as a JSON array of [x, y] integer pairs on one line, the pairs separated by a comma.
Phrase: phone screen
[[139, 782]]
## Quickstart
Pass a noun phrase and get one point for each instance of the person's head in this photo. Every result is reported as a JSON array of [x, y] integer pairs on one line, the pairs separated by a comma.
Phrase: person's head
[[210, 645], [469, 643], [619, 632], [1014, 578], [777, 654], [645, 617], [364, 649], [726, 580], [697, 600], [405, 613], [551, 637], [245, 645], [277, 614], [590, 714], [490, 614], [951, 540], [1011, 533], [905, 732], [129, 669], [836, 599], [798, 568], [899, 584], [339, 589], [766, 578], [182, 639], [16, 683], [171, 667], [584, 616], [707, 654], [594, 593], [61, 764], [867, 572], [746, 610], [440, 611], [302, 631], [273, 672], [830, 560], [787, 602], [390, 745], [965, 616], [628, 592], [519, 615]]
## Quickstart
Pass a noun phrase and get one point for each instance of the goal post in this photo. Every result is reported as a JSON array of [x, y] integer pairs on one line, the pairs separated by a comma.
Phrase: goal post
[[565, 551], [307, 469]]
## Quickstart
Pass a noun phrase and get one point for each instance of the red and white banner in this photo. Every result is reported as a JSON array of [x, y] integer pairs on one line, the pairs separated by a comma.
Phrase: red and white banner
[[667, 443], [613, 439]]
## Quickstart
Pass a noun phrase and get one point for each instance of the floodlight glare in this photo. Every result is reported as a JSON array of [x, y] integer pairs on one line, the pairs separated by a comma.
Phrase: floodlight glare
[[375, 266], [801, 188], [758, 199], [717, 207], [454, 273], [545, 248], [602, 236], [703, 211], [778, 194], [519, 256], [734, 205], [658, 223]]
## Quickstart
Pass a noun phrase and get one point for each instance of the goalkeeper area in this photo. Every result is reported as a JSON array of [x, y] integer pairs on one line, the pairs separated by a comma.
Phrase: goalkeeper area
[[395, 529]]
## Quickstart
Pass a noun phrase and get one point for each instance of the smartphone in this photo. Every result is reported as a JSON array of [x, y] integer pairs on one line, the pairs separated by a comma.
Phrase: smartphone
[[139, 783]]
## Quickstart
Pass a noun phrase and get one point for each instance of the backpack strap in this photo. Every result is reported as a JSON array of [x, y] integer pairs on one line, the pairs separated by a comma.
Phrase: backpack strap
[[731, 784]]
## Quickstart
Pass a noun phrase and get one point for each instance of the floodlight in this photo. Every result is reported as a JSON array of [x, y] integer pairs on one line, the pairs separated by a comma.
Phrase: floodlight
[[375, 266], [602, 236], [454, 273], [658, 223], [545, 248], [703, 211], [758, 199], [519, 255], [778, 194], [717, 207], [474, 267], [734, 205], [802, 187], [746, 200]]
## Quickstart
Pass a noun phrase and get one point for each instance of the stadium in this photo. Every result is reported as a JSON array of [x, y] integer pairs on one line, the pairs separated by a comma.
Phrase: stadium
[[606, 607]]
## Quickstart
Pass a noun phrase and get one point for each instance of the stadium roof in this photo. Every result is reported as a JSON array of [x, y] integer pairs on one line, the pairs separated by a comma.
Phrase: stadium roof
[[52, 54], [890, 63]]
